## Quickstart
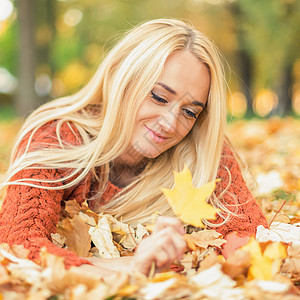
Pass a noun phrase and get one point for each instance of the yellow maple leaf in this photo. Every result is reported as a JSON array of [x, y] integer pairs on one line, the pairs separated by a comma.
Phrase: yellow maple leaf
[[264, 265], [189, 203]]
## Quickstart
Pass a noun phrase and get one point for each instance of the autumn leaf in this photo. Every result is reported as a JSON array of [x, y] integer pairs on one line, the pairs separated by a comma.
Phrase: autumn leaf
[[189, 203], [102, 238], [292, 262], [234, 242], [77, 236], [237, 264], [203, 239], [264, 265]]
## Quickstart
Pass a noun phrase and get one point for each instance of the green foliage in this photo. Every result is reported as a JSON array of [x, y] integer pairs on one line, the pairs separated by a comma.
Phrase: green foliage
[[8, 48], [270, 32]]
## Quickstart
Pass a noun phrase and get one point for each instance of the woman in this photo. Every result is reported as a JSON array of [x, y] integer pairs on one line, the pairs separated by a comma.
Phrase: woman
[[156, 103]]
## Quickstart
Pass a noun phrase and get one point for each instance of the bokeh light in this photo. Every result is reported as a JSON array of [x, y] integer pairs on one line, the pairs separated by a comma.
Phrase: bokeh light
[[265, 101], [43, 84], [74, 75], [296, 102], [73, 17], [8, 82], [237, 104], [58, 88], [6, 9], [93, 53]]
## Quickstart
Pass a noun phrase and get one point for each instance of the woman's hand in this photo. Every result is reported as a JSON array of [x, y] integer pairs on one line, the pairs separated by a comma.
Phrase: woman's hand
[[162, 247]]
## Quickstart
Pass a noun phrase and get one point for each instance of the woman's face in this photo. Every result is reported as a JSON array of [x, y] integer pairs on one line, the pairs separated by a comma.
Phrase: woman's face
[[169, 112]]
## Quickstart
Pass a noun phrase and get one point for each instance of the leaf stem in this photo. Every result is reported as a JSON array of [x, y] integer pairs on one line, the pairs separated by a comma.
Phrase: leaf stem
[[280, 208]]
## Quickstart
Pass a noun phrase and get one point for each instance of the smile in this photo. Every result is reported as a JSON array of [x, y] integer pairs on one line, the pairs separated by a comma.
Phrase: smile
[[156, 137]]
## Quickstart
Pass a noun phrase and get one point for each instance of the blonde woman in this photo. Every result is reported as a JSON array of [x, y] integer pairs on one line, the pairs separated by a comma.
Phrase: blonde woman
[[156, 103]]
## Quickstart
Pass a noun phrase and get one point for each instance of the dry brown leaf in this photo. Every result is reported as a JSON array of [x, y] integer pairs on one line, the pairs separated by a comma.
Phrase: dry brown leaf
[[101, 236], [292, 262], [58, 279], [209, 261], [77, 235], [204, 239], [72, 207], [237, 264], [4, 276], [17, 250]]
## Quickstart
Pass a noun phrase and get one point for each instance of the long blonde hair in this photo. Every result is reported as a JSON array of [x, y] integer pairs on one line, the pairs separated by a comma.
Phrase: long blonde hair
[[120, 84]]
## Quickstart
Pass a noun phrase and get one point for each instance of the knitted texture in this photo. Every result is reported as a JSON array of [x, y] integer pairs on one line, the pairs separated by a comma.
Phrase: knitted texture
[[29, 215]]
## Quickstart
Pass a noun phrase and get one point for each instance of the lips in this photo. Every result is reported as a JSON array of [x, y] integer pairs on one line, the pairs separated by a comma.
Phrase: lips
[[156, 137]]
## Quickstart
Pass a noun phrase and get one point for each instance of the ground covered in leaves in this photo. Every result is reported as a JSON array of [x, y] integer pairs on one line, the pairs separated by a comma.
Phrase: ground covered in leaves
[[265, 267]]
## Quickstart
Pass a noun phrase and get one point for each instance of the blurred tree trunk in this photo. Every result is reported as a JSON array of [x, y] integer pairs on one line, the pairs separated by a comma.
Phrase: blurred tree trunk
[[246, 76], [45, 24], [243, 56], [26, 99], [283, 89]]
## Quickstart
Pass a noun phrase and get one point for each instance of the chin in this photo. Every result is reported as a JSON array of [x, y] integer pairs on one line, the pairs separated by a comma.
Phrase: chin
[[149, 154]]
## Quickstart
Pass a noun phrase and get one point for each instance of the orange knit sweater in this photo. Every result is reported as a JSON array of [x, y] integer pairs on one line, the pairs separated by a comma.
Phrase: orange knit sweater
[[29, 215]]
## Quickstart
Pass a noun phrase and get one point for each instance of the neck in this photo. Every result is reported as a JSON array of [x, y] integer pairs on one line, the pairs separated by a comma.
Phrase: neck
[[124, 171]]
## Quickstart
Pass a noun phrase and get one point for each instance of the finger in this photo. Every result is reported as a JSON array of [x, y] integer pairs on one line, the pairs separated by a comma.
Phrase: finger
[[170, 236], [171, 243], [179, 245], [163, 222], [163, 258]]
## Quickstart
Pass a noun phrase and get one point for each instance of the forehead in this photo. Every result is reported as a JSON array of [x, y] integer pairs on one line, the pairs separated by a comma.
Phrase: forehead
[[184, 73]]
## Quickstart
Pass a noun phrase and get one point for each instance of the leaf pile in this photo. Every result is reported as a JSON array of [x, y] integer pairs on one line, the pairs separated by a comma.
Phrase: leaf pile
[[260, 269], [271, 150], [264, 267]]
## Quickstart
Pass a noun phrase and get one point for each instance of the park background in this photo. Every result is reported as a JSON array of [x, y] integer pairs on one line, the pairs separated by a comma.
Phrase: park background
[[50, 48]]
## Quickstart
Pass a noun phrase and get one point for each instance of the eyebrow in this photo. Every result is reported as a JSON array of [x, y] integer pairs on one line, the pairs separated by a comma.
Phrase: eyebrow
[[197, 103], [167, 88]]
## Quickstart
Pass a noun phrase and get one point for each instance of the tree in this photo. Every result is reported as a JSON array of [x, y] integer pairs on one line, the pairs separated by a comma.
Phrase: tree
[[270, 36], [26, 98]]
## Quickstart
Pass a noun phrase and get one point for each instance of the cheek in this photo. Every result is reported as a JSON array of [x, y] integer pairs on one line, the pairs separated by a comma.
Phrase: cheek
[[144, 112], [184, 129]]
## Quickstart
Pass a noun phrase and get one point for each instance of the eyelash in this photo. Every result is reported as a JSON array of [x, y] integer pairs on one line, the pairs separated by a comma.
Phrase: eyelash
[[161, 100]]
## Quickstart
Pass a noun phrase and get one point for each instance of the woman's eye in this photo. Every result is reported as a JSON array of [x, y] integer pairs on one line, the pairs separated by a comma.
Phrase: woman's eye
[[190, 113], [157, 98]]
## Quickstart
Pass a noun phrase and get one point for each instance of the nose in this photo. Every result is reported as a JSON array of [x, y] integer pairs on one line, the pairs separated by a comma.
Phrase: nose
[[168, 121]]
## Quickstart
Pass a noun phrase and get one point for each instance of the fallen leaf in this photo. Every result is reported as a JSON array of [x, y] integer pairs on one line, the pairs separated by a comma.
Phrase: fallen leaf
[[237, 264], [77, 235], [204, 239], [189, 203], [21, 268], [215, 284], [269, 182], [264, 265], [58, 240], [272, 286], [102, 238], [72, 207], [292, 262], [234, 242], [154, 290], [278, 232]]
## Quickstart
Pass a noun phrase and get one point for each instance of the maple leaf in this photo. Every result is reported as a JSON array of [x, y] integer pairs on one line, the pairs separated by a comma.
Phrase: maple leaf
[[189, 203], [264, 265], [203, 239], [76, 233]]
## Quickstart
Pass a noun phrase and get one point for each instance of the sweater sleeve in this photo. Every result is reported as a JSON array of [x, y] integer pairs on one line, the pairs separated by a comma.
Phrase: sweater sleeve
[[234, 194], [29, 215]]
